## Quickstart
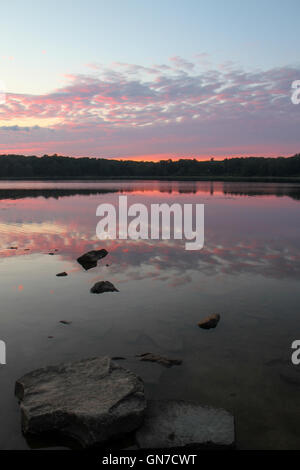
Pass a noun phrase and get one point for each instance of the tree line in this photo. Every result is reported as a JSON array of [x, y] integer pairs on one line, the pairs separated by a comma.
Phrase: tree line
[[55, 166]]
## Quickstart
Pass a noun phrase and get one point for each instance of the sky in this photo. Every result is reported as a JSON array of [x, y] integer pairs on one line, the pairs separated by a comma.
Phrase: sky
[[149, 79]]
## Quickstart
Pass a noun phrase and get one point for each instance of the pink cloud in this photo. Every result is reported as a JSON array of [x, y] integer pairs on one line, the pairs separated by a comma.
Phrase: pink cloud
[[179, 62], [130, 110]]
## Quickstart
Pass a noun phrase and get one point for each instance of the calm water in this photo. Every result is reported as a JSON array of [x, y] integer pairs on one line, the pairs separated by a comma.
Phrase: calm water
[[248, 271]]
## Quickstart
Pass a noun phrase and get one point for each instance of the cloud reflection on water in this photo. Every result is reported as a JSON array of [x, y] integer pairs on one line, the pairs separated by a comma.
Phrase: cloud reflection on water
[[249, 228]]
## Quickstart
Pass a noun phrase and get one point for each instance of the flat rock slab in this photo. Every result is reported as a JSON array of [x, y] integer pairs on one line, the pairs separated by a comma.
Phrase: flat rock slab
[[91, 400], [90, 259], [175, 424]]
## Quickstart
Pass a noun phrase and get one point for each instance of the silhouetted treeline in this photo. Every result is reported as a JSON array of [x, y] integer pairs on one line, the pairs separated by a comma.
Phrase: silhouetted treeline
[[50, 193], [20, 166]]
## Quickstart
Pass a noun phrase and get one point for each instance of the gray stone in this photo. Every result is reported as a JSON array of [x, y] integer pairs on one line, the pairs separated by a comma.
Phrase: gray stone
[[89, 260], [103, 286], [175, 424], [209, 322], [91, 400]]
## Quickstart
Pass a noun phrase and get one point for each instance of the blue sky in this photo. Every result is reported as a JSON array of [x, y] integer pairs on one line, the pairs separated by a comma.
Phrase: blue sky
[[43, 40], [55, 48]]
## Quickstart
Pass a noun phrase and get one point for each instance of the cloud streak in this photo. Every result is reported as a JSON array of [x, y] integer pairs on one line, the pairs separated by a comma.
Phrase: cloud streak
[[176, 109]]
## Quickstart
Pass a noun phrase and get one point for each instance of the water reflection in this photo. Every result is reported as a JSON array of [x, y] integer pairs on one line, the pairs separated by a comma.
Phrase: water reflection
[[248, 271], [58, 189], [257, 235]]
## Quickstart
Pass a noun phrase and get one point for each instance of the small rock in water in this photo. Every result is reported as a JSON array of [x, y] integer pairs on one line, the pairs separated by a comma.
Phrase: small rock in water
[[209, 322], [103, 286], [91, 400], [118, 358], [65, 322], [291, 376], [89, 260], [62, 274], [174, 424], [164, 361]]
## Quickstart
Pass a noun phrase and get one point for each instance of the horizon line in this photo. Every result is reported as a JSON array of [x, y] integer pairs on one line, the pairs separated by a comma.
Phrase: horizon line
[[159, 157]]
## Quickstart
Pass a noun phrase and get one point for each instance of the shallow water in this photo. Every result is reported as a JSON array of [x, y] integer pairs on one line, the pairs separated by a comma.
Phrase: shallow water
[[248, 271]]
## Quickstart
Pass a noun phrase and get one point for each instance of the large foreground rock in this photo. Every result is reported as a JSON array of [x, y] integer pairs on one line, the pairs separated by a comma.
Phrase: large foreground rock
[[91, 400], [90, 259], [174, 424]]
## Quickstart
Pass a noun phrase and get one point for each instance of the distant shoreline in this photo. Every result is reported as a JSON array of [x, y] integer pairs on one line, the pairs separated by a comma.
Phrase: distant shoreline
[[258, 169], [248, 179]]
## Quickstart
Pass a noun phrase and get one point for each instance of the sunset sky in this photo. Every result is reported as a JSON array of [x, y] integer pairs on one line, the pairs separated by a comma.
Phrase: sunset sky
[[149, 79]]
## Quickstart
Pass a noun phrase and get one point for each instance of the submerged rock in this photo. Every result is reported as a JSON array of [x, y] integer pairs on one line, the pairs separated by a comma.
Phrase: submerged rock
[[91, 400], [62, 274], [171, 424], [65, 322], [291, 376], [89, 260], [103, 286], [209, 322], [164, 361]]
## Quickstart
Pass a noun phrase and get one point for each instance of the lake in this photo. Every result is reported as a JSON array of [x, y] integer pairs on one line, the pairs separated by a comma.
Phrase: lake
[[248, 272]]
